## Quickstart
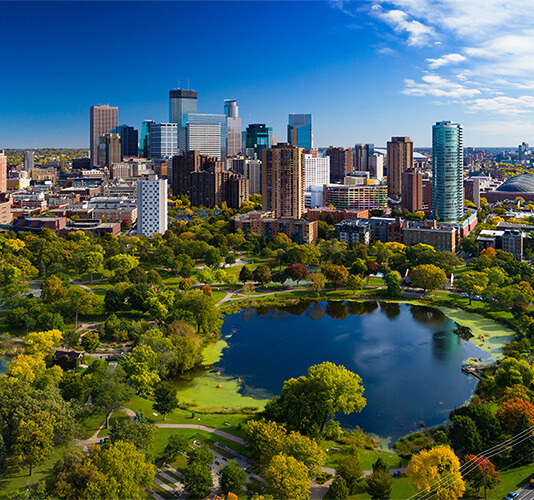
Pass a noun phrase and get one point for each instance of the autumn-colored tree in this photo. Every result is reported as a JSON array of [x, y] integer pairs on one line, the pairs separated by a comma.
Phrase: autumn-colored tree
[[53, 290], [429, 467], [510, 411], [428, 277], [490, 253], [336, 274], [287, 478], [317, 281], [296, 272], [483, 467], [43, 343], [472, 283]]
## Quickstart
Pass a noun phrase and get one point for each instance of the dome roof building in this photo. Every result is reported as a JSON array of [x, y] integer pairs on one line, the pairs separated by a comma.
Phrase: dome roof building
[[522, 183]]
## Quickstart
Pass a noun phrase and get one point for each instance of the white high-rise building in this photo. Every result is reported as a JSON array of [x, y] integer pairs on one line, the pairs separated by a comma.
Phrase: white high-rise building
[[151, 206], [163, 141], [233, 127], [194, 133], [376, 166], [29, 160], [205, 138], [316, 171]]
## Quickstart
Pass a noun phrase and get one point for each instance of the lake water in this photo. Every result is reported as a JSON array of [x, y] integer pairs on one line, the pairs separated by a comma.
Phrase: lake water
[[409, 357]]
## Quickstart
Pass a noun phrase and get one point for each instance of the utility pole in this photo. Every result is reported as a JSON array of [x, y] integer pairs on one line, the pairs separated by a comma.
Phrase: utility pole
[[484, 471]]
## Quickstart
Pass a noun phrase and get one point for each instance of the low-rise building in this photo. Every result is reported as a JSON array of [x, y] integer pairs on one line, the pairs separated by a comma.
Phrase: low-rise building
[[441, 237], [512, 242], [354, 231], [355, 197], [265, 224], [333, 215]]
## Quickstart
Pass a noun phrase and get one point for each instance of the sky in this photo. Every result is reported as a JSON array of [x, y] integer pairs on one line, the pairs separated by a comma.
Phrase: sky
[[366, 70]]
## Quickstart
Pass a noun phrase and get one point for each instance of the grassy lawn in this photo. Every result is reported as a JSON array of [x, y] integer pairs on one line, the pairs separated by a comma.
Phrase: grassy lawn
[[401, 489], [15, 479], [92, 423], [511, 479]]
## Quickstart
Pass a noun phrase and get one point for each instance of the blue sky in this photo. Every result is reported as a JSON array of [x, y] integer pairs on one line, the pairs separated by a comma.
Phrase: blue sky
[[366, 70]]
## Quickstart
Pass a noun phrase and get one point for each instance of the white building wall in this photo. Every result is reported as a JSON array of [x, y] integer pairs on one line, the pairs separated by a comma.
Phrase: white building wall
[[205, 138], [151, 206], [316, 171]]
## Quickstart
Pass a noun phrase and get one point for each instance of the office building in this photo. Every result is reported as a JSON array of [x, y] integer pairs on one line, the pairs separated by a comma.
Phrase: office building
[[257, 137], [3, 172], [376, 166], [29, 160], [447, 172], [250, 169], [102, 119], [472, 190], [121, 170], [144, 142], [204, 138], [163, 140], [233, 127], [400, 158], [341, 162], [355, 197], [316, 171], [442, 237], [299, 131], [181, 102], [362, 154], [206, 133], [151, 206], [109, 150], [523, 152], [283, 181], [129, 140], [206, 182], [412, 190]]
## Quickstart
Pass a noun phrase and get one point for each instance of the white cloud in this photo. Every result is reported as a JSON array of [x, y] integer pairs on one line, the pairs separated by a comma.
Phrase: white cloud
[[504, 105], [418, 33], [435, 85], [445, 60], [385, 51]]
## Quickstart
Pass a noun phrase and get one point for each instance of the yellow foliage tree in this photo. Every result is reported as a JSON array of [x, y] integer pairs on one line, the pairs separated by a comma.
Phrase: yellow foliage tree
[[287, 478], [43, 343], [437, 471], [26, 367]]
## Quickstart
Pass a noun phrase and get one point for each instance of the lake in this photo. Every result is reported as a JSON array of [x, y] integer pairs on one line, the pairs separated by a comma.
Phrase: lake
[[409, 357]]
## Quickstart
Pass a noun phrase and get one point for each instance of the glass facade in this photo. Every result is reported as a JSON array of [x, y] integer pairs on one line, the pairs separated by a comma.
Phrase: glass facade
[[144, 143], [129, 140], [299, 131], [163, 140], [447, 172], [257, 137]]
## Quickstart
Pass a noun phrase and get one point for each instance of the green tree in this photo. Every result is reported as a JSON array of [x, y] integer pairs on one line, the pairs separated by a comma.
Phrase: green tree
[[80, 301], [262, 275], [141, 367], [393, 280], [245, 274], [464, 435], [197, 472], [166, 399], [338, 489], [350, 469], [232, 478], [336, 274], [141, 435], [91, 341], [203, 310], [91, 263], [472, 283], [378, 485], [428, 277], [34, 440], [317, 280], [354, 282], [53, 290], [177, 444], [287, 478], [512, 371], [523, 450], [213, 257], [121, 264]]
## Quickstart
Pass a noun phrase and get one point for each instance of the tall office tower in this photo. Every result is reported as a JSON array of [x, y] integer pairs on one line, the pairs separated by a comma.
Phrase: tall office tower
[[412, 190], [29, 160], [282, 180], [257, 137], [144, 142], [163, 140], [109, 150], [102, 119], [151, 206], [204, 138], [340, 162], [3, 172], [129, 140], [316, 171], [376, 166], [447, 171], [233, 127], [400, 158], [299, 131], [362, 153], [181, 102], [200, 131], [522, 151]]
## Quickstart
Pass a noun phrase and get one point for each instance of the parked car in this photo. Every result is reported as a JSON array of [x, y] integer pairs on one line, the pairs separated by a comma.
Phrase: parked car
[[511, 495]]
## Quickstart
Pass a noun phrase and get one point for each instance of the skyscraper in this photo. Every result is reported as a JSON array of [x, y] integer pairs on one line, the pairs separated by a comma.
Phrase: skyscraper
[[109, 149], [412, 190], [144, 142], [163, 140], [151, 206], [341, 162], [102, 119], [316, 171], [283, 181], [181, 102], [447, 171], [3, 172], [200, 129], [400, 158], [233, 127], [257, 137], [29, 160], [362, 154], [129, 140], [299, 131]]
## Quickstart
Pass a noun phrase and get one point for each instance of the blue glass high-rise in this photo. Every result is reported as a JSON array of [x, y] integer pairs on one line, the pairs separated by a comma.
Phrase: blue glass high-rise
[[299, 131]]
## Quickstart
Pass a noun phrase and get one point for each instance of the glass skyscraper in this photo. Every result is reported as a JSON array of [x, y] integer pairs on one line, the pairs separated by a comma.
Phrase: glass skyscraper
[[447, 172], [257, 137], [299, 131], [233, 127], [144, 143], [129, 140], [181, 102]]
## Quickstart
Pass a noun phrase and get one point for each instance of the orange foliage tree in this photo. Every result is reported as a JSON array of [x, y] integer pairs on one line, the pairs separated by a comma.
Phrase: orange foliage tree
[[476, 475], [510, 411]]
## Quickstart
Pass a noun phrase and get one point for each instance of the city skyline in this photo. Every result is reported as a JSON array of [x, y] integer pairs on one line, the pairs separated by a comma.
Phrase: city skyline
[[389, 69]]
